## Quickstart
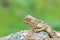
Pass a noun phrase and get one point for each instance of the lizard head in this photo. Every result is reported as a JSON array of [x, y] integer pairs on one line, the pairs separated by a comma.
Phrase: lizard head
[[32, 21]]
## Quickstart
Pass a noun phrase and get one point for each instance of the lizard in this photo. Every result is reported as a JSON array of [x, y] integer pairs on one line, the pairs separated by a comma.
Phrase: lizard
[[39, 25]]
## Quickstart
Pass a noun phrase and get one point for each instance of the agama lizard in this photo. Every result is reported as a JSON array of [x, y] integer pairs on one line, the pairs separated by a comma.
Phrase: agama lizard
[[39, 25]]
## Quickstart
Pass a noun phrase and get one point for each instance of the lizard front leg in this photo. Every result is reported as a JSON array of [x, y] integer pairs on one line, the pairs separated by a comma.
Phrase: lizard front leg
[[45, 27], [40, 27]]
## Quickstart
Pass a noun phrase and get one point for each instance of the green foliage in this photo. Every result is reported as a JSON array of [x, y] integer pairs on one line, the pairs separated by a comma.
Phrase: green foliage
[[11, 15]]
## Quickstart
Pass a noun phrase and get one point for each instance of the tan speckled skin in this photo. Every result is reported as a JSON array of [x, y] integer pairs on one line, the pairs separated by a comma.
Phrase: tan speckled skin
[[42, 25]]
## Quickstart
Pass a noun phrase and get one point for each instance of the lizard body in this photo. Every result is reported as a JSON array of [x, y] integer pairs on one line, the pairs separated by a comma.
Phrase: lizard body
[[39, 25]]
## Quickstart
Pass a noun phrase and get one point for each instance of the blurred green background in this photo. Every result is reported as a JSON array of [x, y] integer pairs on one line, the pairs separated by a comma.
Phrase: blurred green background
[[12, 13]]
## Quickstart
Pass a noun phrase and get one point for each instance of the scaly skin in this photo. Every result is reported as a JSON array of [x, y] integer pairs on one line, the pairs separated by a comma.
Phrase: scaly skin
[[39, 25]]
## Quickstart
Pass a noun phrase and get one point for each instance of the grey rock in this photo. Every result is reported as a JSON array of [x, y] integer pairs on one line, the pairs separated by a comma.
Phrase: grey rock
[[21, 35]]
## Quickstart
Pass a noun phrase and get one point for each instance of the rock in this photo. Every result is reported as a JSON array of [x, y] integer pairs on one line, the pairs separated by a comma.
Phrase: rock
[[29, 35]]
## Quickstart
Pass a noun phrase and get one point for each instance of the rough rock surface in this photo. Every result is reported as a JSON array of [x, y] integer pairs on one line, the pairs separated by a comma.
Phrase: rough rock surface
[[27, 35]]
